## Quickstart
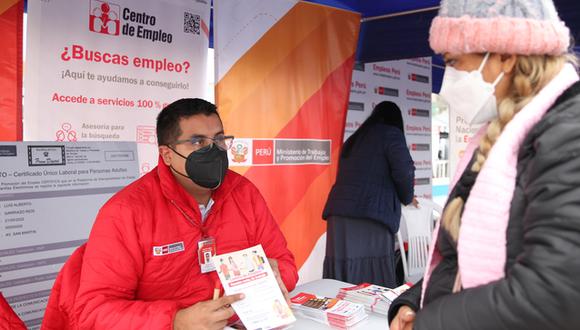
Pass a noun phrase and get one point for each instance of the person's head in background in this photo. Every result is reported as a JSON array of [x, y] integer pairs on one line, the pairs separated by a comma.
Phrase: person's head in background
[[386, 112], [498, 55]]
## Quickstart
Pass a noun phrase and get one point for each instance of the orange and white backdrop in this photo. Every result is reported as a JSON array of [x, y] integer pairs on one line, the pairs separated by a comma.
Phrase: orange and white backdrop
[[283, 74], [11, 12]]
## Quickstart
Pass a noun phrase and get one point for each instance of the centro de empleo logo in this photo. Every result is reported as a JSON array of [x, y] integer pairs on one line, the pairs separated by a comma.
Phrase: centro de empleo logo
[[105, 18]]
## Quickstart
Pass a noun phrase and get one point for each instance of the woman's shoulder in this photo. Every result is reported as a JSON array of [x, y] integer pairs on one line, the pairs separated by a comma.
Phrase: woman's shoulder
[[564, 115], [559, 130]]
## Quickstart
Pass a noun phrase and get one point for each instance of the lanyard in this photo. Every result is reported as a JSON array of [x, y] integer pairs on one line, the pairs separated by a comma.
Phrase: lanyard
[[202, 225]]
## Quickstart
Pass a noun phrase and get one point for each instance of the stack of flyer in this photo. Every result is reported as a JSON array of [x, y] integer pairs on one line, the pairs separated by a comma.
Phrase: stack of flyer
[[375, 298], [334, 312]]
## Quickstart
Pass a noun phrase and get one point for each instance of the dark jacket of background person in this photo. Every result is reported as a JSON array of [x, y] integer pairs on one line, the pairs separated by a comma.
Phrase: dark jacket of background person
[[375, 175], [541, 286]]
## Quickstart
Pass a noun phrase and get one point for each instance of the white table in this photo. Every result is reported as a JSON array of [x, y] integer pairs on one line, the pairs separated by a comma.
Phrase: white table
[[329, 288]]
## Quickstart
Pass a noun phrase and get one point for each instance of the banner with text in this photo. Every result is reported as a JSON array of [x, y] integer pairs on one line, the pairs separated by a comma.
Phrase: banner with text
[[11, 12], [460, 134], [408, 84], [44, 188], [283, 71], [102, 70]]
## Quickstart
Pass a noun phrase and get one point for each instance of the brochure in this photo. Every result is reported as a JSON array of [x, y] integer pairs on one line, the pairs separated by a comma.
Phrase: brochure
[[248, 272]]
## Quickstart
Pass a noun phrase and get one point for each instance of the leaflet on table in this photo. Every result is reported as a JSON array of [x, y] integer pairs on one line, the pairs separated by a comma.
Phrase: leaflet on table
[[248, 272], [392, 294], [375, 298], [335, 312]]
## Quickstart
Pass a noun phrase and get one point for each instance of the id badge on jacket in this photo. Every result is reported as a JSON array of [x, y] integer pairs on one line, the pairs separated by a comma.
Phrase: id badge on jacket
[[206, 248]]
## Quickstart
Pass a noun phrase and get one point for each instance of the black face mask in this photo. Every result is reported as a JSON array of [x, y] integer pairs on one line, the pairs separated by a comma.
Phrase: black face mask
[[206, 167]]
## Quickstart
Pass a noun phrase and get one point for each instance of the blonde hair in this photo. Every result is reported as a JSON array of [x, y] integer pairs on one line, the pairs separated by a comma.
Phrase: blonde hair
[[531, 74]]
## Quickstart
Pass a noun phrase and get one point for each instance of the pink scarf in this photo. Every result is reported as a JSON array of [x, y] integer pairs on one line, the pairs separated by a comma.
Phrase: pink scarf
[[482, 238]]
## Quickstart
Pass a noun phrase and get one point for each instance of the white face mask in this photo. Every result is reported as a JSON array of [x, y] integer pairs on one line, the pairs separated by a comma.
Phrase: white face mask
[[469, 95]]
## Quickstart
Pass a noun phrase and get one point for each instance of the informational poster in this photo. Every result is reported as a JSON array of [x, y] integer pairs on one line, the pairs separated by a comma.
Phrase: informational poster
[[408, 84], [102, 70], [283, 72], [460, 134], [50, 193]]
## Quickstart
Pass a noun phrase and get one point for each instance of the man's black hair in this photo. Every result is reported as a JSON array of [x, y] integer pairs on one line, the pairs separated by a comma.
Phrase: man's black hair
[[168, 119]]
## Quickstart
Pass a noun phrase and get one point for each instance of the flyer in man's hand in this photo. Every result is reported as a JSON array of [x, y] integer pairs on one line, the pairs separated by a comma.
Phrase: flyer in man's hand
[[248, 272]]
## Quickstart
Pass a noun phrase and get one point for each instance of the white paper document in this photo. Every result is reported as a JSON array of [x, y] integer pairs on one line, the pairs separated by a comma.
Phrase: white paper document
[[248, 272]]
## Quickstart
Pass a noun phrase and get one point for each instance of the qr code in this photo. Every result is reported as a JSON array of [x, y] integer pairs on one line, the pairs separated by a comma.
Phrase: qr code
[[191, 23]]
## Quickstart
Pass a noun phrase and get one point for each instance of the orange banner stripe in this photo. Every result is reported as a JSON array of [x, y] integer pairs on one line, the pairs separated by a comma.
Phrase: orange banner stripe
[[264, 56], [288, 55], [304, 225], [284, 186], [6, 4]]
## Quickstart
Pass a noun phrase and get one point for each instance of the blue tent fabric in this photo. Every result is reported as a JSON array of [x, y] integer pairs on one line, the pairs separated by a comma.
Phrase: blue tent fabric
[[374, 8], [395, 38], [407, 35]]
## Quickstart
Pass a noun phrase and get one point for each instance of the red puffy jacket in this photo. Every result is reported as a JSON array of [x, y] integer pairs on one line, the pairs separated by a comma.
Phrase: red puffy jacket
[[59, 314], [8, 319], [123, 286]]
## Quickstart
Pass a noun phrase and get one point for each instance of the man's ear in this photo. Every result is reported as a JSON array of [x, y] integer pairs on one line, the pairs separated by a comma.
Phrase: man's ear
[[508, 63], [165, 154]]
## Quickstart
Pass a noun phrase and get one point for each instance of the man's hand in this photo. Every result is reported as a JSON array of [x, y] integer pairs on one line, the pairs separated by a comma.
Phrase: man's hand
[[404, 319], [206, 315], [274, 265]]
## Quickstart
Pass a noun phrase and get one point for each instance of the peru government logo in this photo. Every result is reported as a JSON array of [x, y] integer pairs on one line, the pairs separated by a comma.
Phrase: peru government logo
[[239, 152]]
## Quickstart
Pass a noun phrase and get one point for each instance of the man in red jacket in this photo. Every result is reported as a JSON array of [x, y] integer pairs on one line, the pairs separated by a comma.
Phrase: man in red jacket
[[146, 260]]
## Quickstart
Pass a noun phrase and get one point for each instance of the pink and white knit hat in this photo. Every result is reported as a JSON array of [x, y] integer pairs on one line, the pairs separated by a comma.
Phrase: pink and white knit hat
[[522, 27]]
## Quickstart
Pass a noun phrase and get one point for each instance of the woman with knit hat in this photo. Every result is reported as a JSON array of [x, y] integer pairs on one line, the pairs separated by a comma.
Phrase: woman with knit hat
[[507, 252]]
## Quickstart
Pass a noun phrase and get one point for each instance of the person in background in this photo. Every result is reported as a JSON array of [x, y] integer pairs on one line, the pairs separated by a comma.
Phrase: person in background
[[506, 255], [375, 175], [145, 264]]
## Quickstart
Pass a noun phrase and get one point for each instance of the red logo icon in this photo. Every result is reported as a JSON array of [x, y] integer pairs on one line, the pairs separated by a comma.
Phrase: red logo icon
[[146, 134], [104, 17], [66, 133], [263, 152], [145, 168]]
